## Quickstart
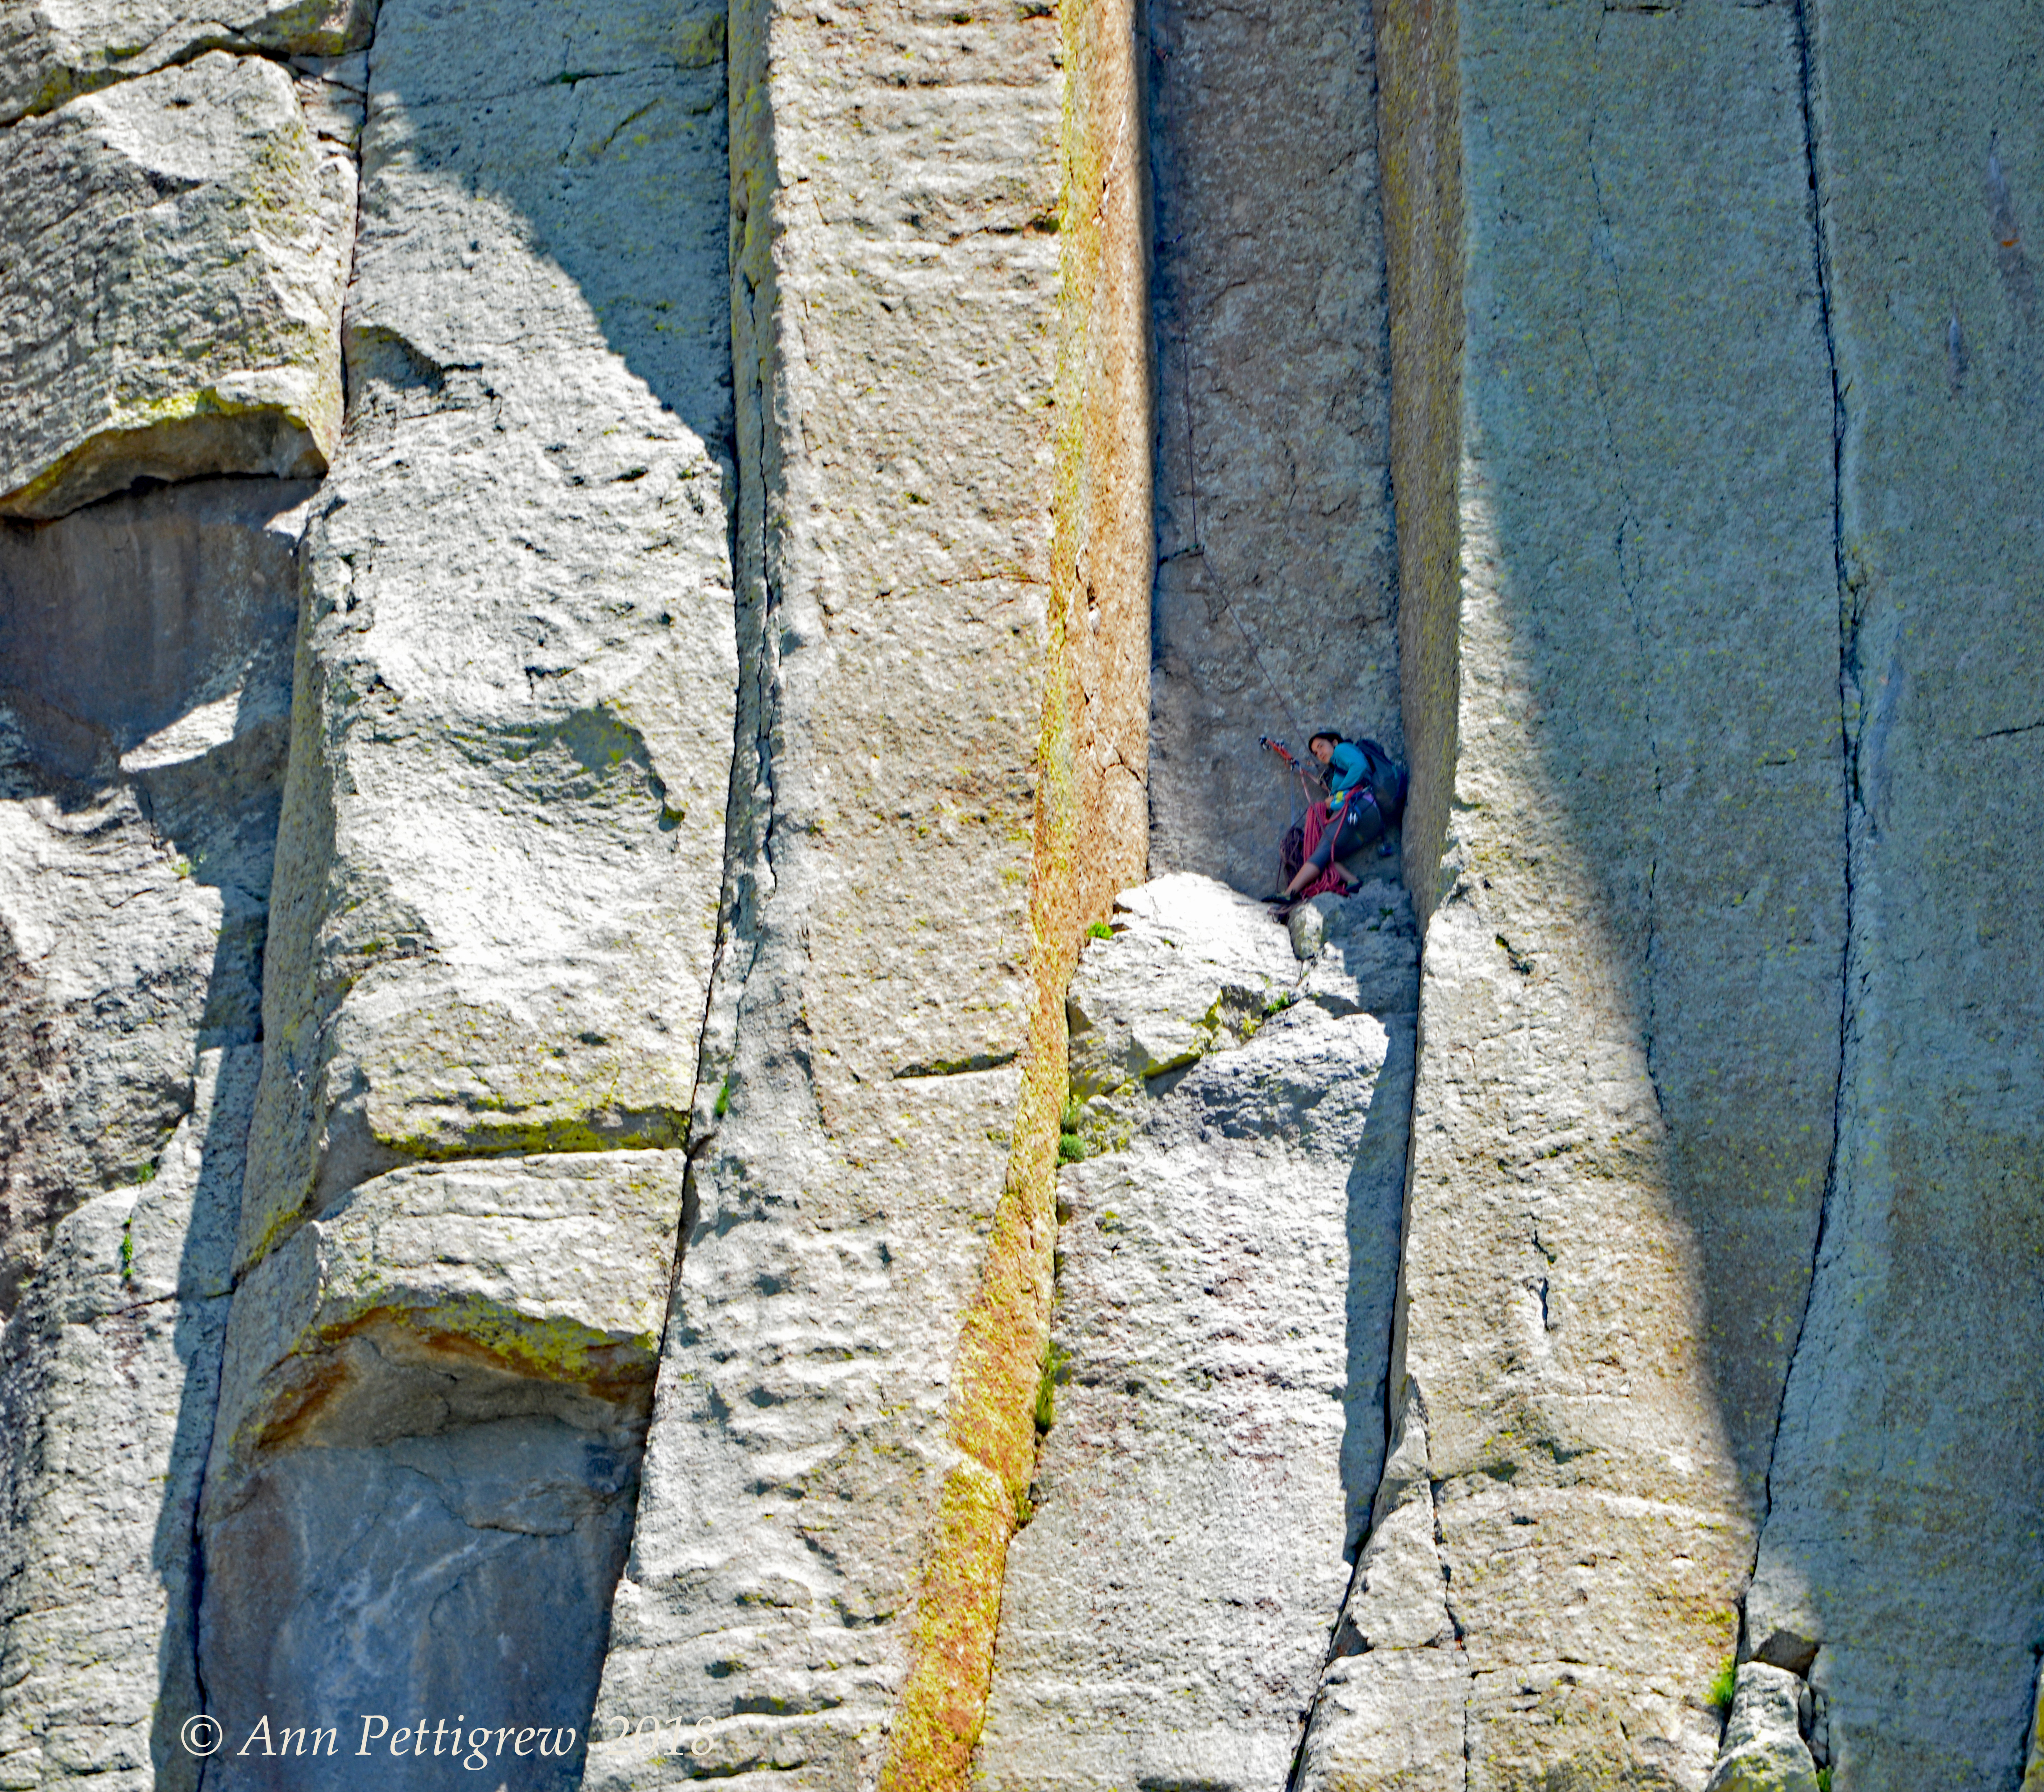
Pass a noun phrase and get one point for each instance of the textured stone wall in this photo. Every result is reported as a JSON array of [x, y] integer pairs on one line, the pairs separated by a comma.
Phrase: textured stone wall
[[501, 845], [895, 187], [170, 281], [1899, 1566], [144, 696], [1418, 98], [170, 299], [1276, 603], [1214, 1407], [1630, 996], [560, 1158], [51, 50]]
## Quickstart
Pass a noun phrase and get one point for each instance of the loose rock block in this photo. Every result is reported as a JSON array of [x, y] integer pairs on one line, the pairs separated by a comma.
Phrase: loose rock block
[[174, 254], [1763, 1749], [53, 50]]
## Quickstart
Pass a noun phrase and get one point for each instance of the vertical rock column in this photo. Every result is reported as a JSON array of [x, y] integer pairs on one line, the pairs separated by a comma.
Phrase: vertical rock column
[[943, 563], [1628, 1030], [175, 250], [1214, 1399], [1277, 593], [145, 694], [1899, 1568], [500, 853]]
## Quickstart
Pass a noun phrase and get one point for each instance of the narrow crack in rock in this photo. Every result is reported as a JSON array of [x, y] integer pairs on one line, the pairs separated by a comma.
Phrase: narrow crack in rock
[[1848, 712]]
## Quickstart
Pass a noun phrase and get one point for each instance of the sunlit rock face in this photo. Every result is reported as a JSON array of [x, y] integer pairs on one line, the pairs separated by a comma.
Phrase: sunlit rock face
[[502, 843], [169, 295], [894, 178], [1213, 1410], [51, 50]]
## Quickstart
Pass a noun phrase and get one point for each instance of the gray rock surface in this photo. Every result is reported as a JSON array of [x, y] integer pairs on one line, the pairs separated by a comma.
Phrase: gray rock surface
[[1390, 1709], [894, 171], [457, 1573], [51, 50], [1913, 1420], [1219, 1342], [500, 850], [1630, 1000], [176, 252], [1276, 598], [1763, 1750], [108, 1374], [344, 1247], [1393, 1719], [518, 641], [555, 1268], [144, 684]]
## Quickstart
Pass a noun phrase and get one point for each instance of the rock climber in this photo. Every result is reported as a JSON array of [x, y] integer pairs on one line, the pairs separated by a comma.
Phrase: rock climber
[[1354, 819]]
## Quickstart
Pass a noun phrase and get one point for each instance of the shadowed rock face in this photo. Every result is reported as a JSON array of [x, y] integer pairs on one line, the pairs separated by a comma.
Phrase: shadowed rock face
[[1629, 1008], [144, 686], [1899, 1566], [460, 1577], [1276, 596]]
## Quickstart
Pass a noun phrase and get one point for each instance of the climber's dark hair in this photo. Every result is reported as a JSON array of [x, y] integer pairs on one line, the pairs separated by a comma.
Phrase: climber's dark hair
[[1326, 734]]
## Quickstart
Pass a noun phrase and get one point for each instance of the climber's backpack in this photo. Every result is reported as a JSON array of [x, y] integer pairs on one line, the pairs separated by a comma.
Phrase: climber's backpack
[[1387, 782]]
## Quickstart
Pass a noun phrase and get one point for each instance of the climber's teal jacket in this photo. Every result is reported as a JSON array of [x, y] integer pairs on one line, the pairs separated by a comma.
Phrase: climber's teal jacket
[[1350, 769]]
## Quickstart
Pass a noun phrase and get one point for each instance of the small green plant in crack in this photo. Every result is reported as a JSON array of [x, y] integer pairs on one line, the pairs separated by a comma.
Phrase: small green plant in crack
[[1823, 1779], [1100, 930], [1057, 1366], [1071, 1147], [723, 1099], [127, 1248], [1723, 1686]]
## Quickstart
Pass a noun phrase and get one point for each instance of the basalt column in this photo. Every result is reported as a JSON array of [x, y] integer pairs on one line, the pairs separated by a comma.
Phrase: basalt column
[[938, 703], [499, 858], [1899, 1568], [1214, 1401], [145, 648], [172, 259], [1628, 1023]]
